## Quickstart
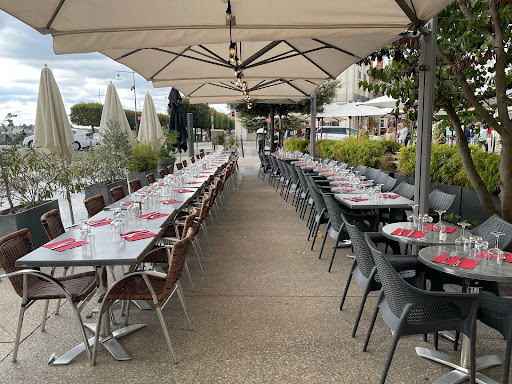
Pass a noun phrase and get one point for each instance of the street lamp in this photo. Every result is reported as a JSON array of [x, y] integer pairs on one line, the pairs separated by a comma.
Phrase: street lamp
[[132, 88]]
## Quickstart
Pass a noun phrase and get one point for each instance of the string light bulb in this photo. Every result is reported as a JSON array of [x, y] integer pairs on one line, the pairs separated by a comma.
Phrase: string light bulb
[[228, 11]]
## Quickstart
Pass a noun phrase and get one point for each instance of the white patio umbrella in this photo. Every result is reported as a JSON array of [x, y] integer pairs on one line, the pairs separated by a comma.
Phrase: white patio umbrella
[[150, 130], [383, 102], [112, 109], [52, 132]]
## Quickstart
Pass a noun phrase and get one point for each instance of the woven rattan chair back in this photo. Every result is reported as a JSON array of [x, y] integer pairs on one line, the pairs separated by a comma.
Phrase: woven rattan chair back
[[405, 189], [170, 168], [179, 166], [117, 193], [184, 162], [52, 224], [192, 159], [161, 173], [150, 178], [94, 205], [135, 185]]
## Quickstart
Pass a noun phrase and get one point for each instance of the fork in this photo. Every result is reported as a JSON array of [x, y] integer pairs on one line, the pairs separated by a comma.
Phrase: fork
[[62, 244]]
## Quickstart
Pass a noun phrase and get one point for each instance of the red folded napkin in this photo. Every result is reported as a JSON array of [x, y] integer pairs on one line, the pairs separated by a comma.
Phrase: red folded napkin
[[507, 256], [430, 227], [170, 201], [406, 232], [143, 191], [199, 177], [466, 263], [183, 190], [356, 199], [143, 235], [152, 216], [346, 190], [162, 184], [485, 255], [327, 174], [338, 178], [340, 183], [386, 196], [308, 167], [56, 243], [126, 203], [194, 182], [70, 246], [99, 223]]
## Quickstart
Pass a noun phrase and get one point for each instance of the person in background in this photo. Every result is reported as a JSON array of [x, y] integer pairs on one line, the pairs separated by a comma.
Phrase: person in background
[[404, 135], [483, 135], [307, 131], [390, 133], [260, 137], [276, 140], [441, 139], [289, 133]]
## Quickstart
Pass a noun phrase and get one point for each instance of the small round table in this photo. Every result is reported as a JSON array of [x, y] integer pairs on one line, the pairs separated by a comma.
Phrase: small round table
[[430, 238], [486, 270]]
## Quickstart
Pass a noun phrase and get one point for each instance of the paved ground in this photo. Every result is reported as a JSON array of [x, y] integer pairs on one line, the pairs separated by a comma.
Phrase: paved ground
[[266, 311]]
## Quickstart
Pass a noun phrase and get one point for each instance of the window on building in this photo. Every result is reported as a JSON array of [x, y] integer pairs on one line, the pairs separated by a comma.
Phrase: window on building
[[359, 74]]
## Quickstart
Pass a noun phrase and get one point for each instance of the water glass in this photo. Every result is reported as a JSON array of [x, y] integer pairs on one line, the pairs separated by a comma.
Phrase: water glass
[[442, 231]]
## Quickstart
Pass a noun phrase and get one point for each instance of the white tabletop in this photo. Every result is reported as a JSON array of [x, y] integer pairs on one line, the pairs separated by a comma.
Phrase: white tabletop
[[400, 202]]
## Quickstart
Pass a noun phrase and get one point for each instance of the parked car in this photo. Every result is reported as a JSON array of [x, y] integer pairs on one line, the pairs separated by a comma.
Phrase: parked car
[[336, 133], [82, 139]]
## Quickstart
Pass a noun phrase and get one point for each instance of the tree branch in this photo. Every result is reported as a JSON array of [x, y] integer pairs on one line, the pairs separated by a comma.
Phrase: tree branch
[[468, 92], [468, 13]]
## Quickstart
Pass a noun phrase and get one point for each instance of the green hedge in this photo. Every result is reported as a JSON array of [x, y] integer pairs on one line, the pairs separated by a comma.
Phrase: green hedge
[[446, 166], [350, 150]]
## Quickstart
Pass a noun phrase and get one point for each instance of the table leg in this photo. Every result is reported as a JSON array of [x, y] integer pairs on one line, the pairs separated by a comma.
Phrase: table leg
[[108, 339]]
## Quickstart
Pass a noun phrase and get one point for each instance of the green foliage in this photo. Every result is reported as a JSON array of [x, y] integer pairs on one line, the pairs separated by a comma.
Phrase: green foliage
[[201, 112], [230, 142], [296, 144], [143, 157], [32, 178], [107, 162], [163, 119], [130, 115], [446, 166], [360, 151], [168, 151], [324, 148], [86, 114]]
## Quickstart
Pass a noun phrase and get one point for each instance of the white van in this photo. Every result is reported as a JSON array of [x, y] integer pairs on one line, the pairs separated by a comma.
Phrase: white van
[[335, 133]]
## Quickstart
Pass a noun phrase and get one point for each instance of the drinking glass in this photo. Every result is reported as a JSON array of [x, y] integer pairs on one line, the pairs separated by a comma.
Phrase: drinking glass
[[442, 232], [440, 213], [482, 246], [414, 207], [496, 250], [461, 240], [85, 230]]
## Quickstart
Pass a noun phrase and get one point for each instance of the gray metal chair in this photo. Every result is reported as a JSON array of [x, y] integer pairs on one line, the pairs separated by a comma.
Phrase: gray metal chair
[[407, 310], [365, 272], [495, 224], [389, 184], [438, 200], [405, 189], [320, 214], [361, 169]]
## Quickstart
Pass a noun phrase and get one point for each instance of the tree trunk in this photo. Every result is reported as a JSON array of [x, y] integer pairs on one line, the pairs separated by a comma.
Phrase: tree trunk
[[467, 162], [505, 182]]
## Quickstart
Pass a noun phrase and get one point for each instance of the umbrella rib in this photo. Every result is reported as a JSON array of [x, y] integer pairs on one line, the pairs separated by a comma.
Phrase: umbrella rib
[[410, 13], [308, 59], [261, 52], [337, 48], [129, 54], [170, 62], [281, 57], [197, 89], [55, 13], [191, 57], [266, 85], [211, 52], [296, 88]]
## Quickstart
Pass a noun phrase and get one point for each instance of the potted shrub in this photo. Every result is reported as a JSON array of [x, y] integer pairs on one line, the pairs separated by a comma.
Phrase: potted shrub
[[143, 159], [29, 183], [167, 154], [105, 166]]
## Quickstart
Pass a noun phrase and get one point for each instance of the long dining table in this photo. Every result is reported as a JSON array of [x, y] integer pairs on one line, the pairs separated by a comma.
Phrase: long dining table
[[109, 250]]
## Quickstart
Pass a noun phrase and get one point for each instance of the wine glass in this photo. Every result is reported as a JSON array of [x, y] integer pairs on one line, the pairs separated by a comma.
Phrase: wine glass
[[461, 240], [496, 250], [440, 213], [414, 207]]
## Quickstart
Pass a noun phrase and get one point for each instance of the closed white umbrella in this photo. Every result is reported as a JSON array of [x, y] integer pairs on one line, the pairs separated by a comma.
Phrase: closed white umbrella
[[150, 130], [52, 132], [114, 110]]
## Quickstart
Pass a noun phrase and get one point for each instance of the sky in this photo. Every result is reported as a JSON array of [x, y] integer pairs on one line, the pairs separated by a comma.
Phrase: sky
[[80, 77]]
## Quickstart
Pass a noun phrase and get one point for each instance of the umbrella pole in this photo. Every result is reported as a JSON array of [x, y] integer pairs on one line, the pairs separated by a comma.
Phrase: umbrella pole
[[68, 198]]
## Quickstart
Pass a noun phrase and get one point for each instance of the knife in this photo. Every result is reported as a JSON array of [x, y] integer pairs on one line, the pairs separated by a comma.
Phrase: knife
[[458, 262], [447, 259], [68, 242]]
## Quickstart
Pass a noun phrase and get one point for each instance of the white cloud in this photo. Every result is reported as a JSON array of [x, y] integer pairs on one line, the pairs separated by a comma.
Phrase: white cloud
[[80, 77]]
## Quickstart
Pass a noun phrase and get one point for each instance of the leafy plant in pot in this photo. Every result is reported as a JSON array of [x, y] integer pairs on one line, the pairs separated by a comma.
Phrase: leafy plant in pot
[[29, 183], [105, 166], [143, 159], [168, 151]]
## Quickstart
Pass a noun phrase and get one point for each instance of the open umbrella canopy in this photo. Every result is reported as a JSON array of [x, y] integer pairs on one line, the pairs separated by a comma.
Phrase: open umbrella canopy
[[98, 25], [52, 132], [150, 130], [113, 110], [383, 102], [353, 110]]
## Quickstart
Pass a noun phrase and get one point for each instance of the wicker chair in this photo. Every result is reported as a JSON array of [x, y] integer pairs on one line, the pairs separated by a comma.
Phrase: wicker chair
[[336, 227], [365, 272], [407, 310], [150, 178], [32, 285], [161, 173], [202, 154], [438, 200], [198, 157], [135, 185], [52, 224], [94, 205], [496, 312], [405, 189], [495, 224], [170, 168], [184, 162], [179, 166], [192, 159], [151, 286], [117, 193]]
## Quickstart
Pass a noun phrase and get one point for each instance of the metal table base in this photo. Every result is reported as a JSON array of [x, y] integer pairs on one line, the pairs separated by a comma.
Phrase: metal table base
[[110, 343], [460, 373]]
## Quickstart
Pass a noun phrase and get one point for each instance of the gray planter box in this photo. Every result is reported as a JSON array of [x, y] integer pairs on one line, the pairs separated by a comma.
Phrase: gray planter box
[[30, 219], [103, 189], [163, 163]]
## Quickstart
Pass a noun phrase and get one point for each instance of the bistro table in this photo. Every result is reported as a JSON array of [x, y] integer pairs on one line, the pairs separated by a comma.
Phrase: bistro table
[[486, 270], [109, 251], [430, 237], [367, 203]]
